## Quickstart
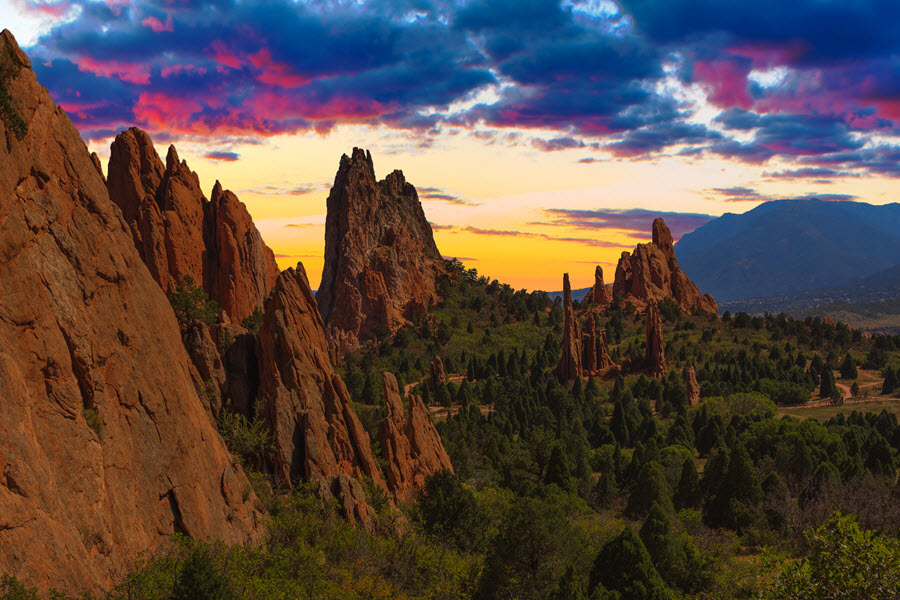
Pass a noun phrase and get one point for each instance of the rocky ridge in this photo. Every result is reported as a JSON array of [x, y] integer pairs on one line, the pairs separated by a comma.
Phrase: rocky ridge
[[178, 232], [105, 447], [381, 262], [651, 274]]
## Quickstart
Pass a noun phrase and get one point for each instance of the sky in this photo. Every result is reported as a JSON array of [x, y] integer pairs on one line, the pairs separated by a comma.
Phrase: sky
[[543, 136]]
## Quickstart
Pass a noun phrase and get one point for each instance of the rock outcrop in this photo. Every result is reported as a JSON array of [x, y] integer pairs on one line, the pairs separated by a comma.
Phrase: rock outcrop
[[599, 294], [691, 385], [651, 274], [570, 361], [411, 447], [594, 355], [436, 374], [381, 262], [105, 448], [654, 353], [178, 232], [318, 436]]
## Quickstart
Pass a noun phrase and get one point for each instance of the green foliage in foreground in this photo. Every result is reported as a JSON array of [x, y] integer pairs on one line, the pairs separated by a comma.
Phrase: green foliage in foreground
[[844, 563], [192, 305]]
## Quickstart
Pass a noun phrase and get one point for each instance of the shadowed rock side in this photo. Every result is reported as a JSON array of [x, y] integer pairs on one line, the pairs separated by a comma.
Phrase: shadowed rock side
[[691, 385], [412, 451], [651, 274], [381, 261], [178, 232], [570, 362], [654, 353], [318, 437], [436, 372], [105, 448], [599, 294]]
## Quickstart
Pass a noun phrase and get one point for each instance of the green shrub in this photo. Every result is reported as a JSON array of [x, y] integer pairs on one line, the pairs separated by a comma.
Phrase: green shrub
[[253, 322], [92, 417], [250, 441], [192, 305]]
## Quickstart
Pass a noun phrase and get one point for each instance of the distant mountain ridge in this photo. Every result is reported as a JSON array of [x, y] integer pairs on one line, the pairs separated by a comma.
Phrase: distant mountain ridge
[[789, 246]]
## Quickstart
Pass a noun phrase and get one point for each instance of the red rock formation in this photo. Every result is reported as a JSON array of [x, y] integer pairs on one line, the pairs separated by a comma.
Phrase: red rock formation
[[105, 448], [381, 262], [652, 273], [570, 362], [599, 294], [210, 372], [655, 353], [436, 372], [412, 451], [317, 435], [594, 356], [691, 385], [240, 268], [178, 232]]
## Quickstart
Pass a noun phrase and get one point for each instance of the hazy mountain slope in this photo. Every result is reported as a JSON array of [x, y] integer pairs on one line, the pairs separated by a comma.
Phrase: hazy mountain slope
[[791, 245]]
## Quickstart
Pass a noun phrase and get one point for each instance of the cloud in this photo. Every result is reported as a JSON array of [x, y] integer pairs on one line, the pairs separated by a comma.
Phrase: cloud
[[222, 155], [632, 219], [438, 194], [466, 258], [280, 190], [744, 194], [543, 236], [555, 144]]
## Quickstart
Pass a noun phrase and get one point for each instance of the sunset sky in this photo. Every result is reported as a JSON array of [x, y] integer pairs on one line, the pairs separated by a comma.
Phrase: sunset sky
[[543, 136]]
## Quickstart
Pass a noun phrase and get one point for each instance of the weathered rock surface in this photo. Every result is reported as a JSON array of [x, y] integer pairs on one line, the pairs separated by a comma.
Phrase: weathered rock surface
[[691, 385], [86, 332], [381, 262], [178, 232], [654, 353], [307, 406], [240, 357], [436, 372], [651, 274], [599, 294], [412, 450], [570, 363], [594, 355], [210, 377]]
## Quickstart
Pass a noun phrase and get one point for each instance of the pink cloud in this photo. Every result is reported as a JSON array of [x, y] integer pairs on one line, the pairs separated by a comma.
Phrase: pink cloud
[[275, 73], [728, 79], [130, 72], [158, 26], [165, 112]]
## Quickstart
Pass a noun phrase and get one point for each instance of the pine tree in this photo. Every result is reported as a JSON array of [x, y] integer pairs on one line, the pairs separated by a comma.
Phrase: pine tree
[[687, 494], [827, 385], [651, 487], [848, 368], [890, 381], [624, 566], [558, 469]]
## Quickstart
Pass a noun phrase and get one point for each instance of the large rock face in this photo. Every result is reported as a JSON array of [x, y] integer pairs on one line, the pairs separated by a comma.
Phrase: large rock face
[[599, 294], [105, 448], [651, 274], [654, 353], [412, 450], [318, 437], [381, 262], [570, 363], [178, 232]]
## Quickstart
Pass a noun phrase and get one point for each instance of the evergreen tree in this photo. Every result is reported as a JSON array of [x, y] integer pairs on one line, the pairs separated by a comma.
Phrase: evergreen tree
[[688, 493], [651, 487], [570, 587], [890, 381], [737, 499], [558, 469], [827, 385], [200, 578], [624, 566], [848, 368]]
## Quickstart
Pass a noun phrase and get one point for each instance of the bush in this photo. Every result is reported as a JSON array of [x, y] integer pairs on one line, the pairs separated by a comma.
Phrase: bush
[[250, 441], [253, 322], [844, 562], [192, 305], [92, 417]]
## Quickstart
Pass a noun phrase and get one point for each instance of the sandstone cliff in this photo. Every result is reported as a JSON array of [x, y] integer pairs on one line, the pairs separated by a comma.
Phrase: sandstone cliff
[[381, 262], [654, 353], [412, 450], [570, 363], [651, 273], [178, 232], [105, 447], [318, 437], [599, 294]]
